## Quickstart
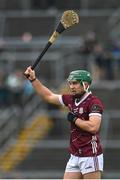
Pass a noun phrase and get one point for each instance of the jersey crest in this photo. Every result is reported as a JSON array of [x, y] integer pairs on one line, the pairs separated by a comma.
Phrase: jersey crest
[[81, 110]]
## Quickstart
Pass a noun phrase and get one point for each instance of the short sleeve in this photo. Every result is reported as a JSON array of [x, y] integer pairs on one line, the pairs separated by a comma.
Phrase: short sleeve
[[96, 107], [67, 99]]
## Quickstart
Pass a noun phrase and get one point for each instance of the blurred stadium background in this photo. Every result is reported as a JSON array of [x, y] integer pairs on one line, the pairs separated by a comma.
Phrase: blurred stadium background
[[33, 134]]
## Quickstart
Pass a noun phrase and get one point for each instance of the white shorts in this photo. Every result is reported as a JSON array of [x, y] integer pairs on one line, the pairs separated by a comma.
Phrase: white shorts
[[85, 164]]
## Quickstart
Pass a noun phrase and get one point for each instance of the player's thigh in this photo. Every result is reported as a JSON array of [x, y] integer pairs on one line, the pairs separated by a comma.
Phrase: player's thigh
[[72, 175], [92, 175]]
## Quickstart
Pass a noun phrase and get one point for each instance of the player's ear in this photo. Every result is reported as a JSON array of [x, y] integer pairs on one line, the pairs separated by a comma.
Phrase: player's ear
[[86, 86], [86, 83]]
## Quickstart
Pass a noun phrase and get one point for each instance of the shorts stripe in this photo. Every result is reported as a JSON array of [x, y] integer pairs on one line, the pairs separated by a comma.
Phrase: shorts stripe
[[96, 164]]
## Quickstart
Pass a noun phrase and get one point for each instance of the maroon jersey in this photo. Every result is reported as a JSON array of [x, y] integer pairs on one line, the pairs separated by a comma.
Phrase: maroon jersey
[[83, 143]]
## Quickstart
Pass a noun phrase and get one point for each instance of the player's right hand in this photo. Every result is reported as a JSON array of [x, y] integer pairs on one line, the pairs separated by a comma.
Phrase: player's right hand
[[30, 74]]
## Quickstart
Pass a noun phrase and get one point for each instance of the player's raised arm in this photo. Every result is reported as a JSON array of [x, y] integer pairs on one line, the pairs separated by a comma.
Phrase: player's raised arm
[[42, 90]]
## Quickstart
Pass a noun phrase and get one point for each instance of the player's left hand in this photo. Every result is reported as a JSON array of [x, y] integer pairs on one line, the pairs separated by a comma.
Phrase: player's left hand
[[71, 117]]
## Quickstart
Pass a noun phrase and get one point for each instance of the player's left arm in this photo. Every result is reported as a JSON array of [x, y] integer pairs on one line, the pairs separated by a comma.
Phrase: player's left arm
[[92, 125]]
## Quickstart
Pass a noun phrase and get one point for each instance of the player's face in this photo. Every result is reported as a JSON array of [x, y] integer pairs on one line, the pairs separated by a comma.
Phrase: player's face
[[76, 87]]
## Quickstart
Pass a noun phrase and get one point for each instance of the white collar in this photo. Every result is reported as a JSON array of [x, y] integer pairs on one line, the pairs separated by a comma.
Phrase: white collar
[[83, 98]]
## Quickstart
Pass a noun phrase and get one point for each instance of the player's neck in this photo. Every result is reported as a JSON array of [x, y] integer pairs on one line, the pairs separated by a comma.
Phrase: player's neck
[[79, 96]]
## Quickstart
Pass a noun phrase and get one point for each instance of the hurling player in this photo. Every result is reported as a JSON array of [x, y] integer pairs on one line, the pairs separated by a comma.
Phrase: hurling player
[[85, 115]]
